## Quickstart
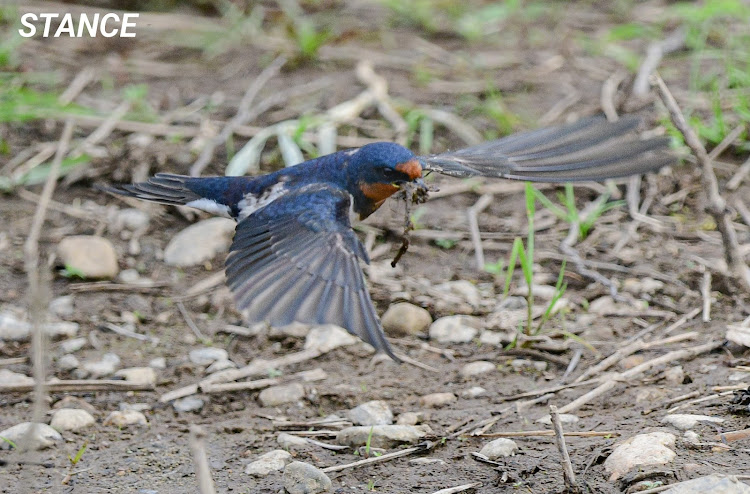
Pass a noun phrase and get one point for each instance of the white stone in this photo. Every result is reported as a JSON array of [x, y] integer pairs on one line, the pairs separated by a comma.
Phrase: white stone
[[145, 376], [565, 418], [62, 306], [68, 362], [473, 392], [188, 404], [488, 337], [685, 421], [711, 484], [71, 419], [208, 355], [499, 448], [436, 400], [200, 242], [477, 368], [158, 363], [220, 365], [104, 367], [643, 450], [455, 329], [303, 478], [465, 290], [90, 256], [376, 412], [15, 328], [72, 345], [43, 437], [409, 418], [124, 418], [131, 219], [13, 378], [280, 395], [289, 441], [273, 461], [382, 436], [328, 337]]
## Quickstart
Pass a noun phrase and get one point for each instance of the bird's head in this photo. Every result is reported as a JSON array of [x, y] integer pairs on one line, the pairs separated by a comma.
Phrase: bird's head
[[377, 171]]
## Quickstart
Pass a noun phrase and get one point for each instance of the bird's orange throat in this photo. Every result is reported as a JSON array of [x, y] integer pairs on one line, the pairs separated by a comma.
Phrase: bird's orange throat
[[411, 168], [378, 192]]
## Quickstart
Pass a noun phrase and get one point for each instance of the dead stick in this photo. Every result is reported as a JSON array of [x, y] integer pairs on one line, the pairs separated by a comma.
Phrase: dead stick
[[716, 204], [379, 459], [544, 433], [78, 385], [200, 460], [459, 488], [569, 475]]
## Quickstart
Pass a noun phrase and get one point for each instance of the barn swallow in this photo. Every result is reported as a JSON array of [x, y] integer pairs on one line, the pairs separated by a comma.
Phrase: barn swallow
[[295, 257]]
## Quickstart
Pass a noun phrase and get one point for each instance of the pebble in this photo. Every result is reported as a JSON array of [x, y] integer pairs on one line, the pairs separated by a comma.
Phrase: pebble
[[188, 404], [328, 337], [739, 335], [273, 461], [405, 319], [675, 375], [13, 327], [648, 394], [207, 356], [465, 290], [72, 345], [455, 329], [90, 256], [376, 412], [44, 436], [12, 378], [280, 395], [477, 368], [294, 330], [200, 242], [410, 418], [71, 419], [220, 365], [629, 362], [145, 376], [104, 367], [473, 392], [62, 306], [158, 363], [685, 421], [565, 418], [436, 400], [426, 461], [499, 448], [489, 337], [74, 402], [519, 364], [303, 478], [289, 441], [124, 418], [383, 436], [130, 219], [718, 484], [643, 450], [645, 285]]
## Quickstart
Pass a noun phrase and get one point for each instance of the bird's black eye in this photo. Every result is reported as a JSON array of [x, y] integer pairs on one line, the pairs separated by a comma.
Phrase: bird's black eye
[[389, 173]]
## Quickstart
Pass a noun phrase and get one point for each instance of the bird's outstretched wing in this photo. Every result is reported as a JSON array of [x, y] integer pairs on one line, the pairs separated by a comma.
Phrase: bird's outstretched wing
[[589, 149], [297, 259]]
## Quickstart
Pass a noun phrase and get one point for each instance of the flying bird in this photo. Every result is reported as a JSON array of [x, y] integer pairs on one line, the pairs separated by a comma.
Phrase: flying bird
[[295, 257]]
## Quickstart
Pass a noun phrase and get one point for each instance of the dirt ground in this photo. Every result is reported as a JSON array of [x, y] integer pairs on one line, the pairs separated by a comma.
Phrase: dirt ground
[[532, 69]]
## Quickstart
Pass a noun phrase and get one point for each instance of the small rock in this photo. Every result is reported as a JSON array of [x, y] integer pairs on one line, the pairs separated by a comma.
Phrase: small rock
[[220, 365], [465, 290], [208, 355], [476, 368], [718, 484], [376, 412], [455, 329], [675, 375], [71, 419], [43, 437], [62, 306], [280, 395], [642, 450], [68, 362], [565, 418], [188, 404], [273, 461], [383, 436], [488, 337], [303, 478], [138, 407], [289, 441], [74, 402], [129, 276], [691, 437], [200, 242], [12, 378], [631, 361], [544, 292], [130, 219], [520, 364], [685, 421], [138, 375], [90, 256], [409, 418], [124, 418], [72, 345], [294, 330], [649, 394], [158, 363], [739, 335], [104, 367], [404, 319], [14, 328], [473, 392], [328, 337], [426, 461], [436, 400], [499, 448]]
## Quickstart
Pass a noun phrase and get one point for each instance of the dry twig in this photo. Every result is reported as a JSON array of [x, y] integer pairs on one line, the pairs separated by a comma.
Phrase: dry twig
[[569, 476], [200, 460]]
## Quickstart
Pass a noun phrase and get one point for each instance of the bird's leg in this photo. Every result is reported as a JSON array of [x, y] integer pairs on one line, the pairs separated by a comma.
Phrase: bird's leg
[[413, 193]]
